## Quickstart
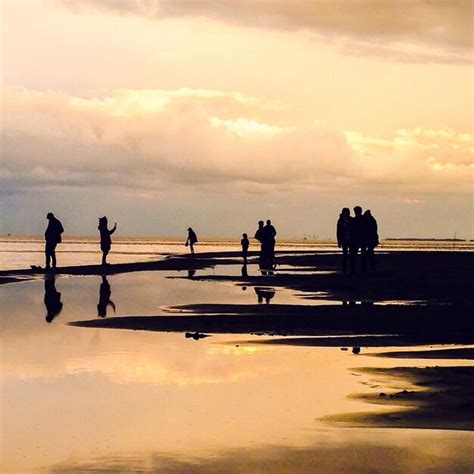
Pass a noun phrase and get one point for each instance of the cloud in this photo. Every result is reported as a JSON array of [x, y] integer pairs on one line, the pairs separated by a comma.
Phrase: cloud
[[443, 25], [153, 140]]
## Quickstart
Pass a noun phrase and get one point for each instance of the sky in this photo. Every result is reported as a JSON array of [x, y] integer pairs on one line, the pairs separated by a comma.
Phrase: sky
[[214, 114]]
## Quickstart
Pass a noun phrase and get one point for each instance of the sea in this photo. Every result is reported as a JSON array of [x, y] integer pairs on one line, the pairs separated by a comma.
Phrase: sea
[[19, 252]]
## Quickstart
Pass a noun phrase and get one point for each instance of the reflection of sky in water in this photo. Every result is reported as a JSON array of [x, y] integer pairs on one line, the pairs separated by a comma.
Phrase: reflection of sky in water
[[74, 395]]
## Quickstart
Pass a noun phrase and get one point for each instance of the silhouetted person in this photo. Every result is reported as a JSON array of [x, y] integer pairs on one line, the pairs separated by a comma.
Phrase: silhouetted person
[[357, 238], [371, 240], [344, 235], [52, 299], [104, 298], [259, 236], [264, 294], [245, 246], [52, 237], [105, 240], [192, 239], [269, 234]]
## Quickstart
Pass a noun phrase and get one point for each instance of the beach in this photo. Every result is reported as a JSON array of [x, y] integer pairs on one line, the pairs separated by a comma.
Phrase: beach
[[177, 363]]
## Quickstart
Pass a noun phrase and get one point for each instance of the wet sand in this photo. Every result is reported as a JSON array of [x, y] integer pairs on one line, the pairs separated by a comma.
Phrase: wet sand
[[437, 397], [466, 353]]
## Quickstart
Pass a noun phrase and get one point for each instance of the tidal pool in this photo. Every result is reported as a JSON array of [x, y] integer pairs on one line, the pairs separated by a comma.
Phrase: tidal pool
[[76, 399]]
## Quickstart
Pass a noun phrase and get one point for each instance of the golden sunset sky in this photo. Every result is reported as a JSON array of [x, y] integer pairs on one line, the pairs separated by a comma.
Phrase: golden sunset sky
[[165, 114]]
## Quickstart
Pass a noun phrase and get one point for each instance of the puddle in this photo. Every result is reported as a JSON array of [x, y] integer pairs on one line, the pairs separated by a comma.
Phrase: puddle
[[69, 394]]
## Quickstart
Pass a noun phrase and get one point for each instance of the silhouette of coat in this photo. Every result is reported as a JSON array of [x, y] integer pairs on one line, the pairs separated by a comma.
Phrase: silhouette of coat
[[357, 231], [192, 237], [53, 231], [105, 233], [259, 232], [343, 231], [371, 238]]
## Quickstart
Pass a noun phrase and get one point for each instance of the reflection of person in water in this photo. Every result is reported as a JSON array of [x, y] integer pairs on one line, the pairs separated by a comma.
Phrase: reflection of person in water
[[52, 299], [264, 294], [244, 270], [191, 273], [104, 298]]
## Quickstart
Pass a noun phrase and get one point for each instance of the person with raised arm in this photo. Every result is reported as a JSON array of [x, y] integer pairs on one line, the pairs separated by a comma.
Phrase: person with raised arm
[[105, 239]]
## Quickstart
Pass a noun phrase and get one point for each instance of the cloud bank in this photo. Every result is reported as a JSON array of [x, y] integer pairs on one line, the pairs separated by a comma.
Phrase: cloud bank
[[390, 28], [153, 140]]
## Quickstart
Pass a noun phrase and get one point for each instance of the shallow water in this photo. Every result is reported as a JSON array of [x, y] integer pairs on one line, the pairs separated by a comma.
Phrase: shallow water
[[102, 399], [18, 252]]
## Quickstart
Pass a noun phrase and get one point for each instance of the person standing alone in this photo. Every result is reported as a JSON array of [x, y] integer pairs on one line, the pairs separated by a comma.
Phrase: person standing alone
[[52, 237], [245, 246], [105, 240], [192, 239]]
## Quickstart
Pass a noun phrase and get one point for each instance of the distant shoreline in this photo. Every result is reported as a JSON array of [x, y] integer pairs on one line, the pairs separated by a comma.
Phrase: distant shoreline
[[234, 239], [431, 239]]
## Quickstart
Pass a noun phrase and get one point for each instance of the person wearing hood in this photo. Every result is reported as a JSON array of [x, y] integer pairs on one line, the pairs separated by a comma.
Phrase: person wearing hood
[[105, 239]]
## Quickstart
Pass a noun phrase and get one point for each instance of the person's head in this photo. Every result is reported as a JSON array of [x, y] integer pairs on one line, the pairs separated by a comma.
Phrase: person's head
[[260, 223], [367, 213], [244, 235], [345, 212], [103, 221], [49, 216], [190, 229], [357, 210], [269, 221]]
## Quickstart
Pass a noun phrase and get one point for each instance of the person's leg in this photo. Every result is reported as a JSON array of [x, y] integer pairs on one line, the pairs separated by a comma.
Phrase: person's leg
[[363, 252], [191, 246], [105, 252], [371, 258], [353, 259], [53, 255], [345, 257], [47, 254]]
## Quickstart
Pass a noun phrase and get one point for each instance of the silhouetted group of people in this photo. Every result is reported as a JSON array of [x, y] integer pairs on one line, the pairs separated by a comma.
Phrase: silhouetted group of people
[[357, 233], [53, 233], [266, 234]]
